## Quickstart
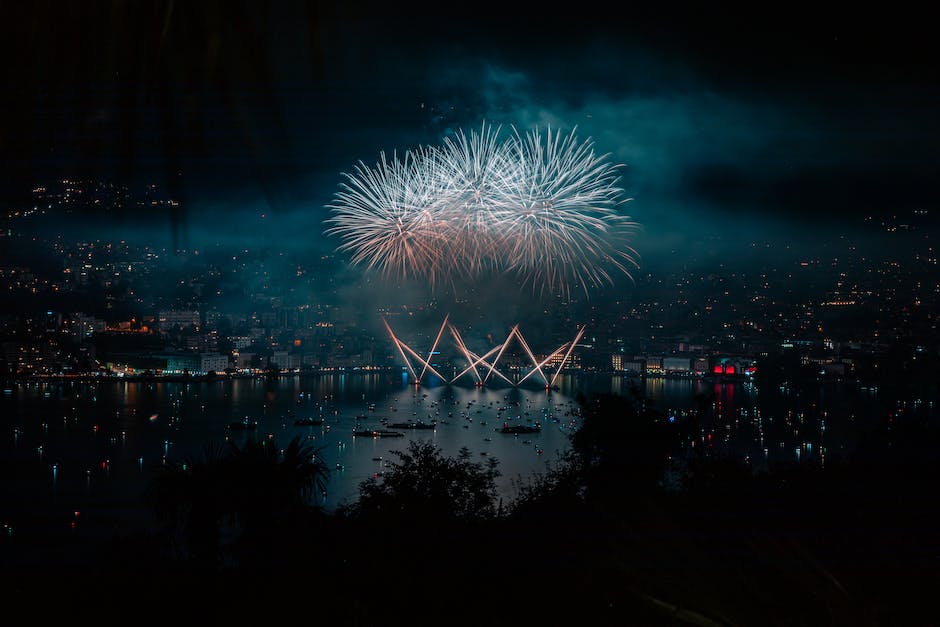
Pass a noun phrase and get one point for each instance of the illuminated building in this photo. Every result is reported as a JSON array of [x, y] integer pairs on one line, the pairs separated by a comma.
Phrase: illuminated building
[[173, 319], [654, 365], [677, 365]]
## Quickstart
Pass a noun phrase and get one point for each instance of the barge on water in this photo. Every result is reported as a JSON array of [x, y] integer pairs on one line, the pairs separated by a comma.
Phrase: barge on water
[[376, 433], [517, 429], [414, 425]]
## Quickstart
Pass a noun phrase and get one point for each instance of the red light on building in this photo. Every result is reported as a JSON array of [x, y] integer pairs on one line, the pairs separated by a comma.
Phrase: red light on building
[[718, 370], [729, 370]]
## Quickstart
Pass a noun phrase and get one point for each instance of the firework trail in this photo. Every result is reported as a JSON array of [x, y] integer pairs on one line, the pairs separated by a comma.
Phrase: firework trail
[[543, 208]]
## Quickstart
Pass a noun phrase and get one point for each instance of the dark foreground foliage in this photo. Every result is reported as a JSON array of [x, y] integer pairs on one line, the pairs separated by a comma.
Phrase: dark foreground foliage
[[425, 488], [626, 530]]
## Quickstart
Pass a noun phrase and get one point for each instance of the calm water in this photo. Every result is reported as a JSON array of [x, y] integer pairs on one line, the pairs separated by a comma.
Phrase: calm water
[[91, 447]]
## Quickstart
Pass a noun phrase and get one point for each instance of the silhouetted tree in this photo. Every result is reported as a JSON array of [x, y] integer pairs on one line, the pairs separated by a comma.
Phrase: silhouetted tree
[[425, 485], [620, 448], [241, 494]]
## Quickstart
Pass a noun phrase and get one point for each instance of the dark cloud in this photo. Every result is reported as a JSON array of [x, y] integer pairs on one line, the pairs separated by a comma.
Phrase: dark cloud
[[243, 109]]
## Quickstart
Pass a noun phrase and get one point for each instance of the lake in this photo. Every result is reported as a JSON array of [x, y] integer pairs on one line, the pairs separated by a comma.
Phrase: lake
[[90, 447]]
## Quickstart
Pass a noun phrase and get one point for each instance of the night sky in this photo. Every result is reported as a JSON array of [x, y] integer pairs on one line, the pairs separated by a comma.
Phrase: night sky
[[749, 414], [795, 119]]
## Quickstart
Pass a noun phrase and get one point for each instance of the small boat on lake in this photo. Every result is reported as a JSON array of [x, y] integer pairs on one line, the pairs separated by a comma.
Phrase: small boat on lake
[[376, 433], [517, 429], [242, 426], [413, 425]]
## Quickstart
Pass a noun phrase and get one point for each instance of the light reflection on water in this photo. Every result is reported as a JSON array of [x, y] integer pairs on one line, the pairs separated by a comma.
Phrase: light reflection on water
[[72, 445], [104, 438]]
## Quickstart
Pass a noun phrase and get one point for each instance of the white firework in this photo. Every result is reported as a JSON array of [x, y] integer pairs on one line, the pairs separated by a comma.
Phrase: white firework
[[559, 225], [477, 174], [541, 207], [386, 217]]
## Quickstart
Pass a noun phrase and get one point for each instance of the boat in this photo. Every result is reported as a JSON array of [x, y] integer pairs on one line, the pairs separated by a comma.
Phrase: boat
[[413, 425], [377, 433], [308, 422], [242, 426], [516, 429]]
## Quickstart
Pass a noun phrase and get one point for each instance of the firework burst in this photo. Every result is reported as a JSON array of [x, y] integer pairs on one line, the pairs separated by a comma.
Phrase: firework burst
[[541, 207]]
